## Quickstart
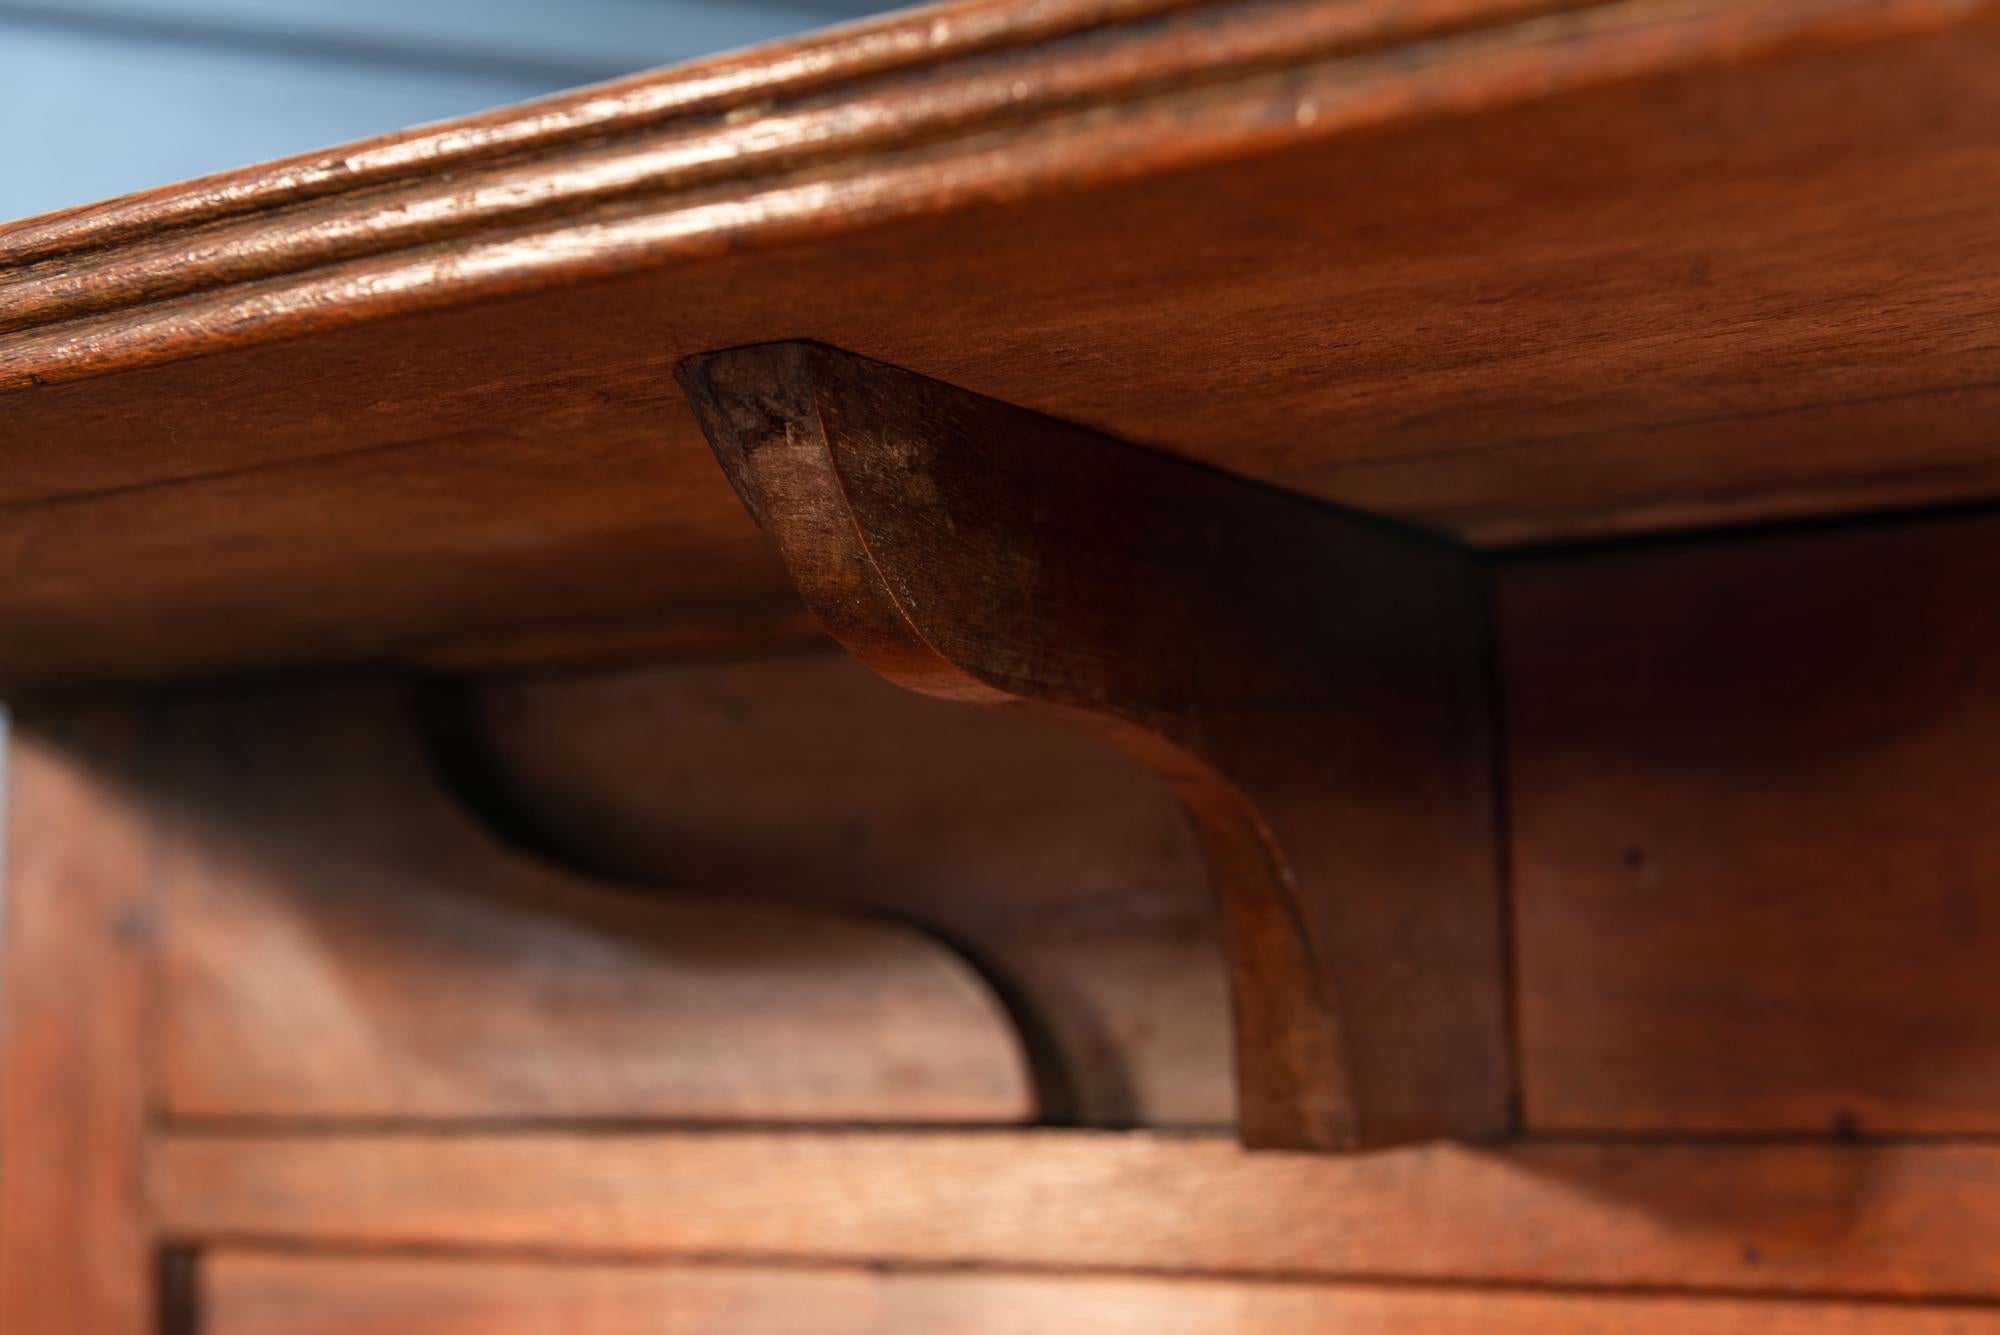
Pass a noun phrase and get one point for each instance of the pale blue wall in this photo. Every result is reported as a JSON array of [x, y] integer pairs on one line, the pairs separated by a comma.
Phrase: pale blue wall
[[98, 97]]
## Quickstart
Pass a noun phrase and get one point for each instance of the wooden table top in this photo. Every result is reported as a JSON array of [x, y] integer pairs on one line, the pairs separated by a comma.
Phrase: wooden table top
[[1517, 272]]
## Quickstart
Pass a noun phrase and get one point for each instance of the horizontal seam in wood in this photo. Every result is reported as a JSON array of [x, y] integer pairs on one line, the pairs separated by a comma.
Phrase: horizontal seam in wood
[[639, 1255]]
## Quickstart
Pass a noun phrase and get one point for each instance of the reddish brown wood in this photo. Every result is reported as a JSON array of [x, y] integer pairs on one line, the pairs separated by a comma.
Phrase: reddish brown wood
[[76, 1009], [662, 135], [1908, 1221], [343, 942], [728, 632], [1753, 785], [641, 102], [1065, 869], [1509, 270], [245, 1293], [1312, 686], [1748, 777]]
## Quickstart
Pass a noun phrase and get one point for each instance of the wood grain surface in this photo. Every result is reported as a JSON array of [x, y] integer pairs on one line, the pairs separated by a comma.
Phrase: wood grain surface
[[1314, 688], [663, 137], [343, 943], [1904, 1221], [77, 1014], [1511, 272], [247, 1293], [1754, 859], [1067, 871]]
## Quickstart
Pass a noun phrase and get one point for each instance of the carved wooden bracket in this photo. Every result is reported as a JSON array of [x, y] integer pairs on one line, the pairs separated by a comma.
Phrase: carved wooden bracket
[[1313, 684]]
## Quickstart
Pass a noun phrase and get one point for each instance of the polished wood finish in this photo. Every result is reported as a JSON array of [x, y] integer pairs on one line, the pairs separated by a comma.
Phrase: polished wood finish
[[343, 942], [77, 1006], [1064, 869], [1313, 687], [1752, 786], [246, 1293], [1888, 1221], [1278, 328], [1741, 905], [1510, 270], [263, 908]]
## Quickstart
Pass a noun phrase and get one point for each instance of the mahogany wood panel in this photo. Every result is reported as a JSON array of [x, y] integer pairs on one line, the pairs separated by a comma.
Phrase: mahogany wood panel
[[1064, 869], [76, 1008], [1756, 866], [247, 1293], [1313, 687], [342, 942], [1511, 270], [1905, 1221]]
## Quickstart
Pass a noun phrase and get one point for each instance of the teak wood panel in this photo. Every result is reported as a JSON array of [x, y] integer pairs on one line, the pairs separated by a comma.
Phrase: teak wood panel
[[1314, 687], [247, 1293], [1905, 1221], [343, 942], [1756, 866], [1507, 270], [1063, 868]]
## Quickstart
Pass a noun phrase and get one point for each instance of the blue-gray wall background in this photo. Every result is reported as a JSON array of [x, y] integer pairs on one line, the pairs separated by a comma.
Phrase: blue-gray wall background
[[98, 97]]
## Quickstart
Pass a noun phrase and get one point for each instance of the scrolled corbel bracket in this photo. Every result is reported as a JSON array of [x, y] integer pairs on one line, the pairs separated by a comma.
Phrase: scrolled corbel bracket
[[1314, 686]]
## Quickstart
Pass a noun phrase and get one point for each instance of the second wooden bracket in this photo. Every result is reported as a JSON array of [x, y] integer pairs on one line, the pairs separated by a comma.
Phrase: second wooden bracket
[[1314, 685]]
